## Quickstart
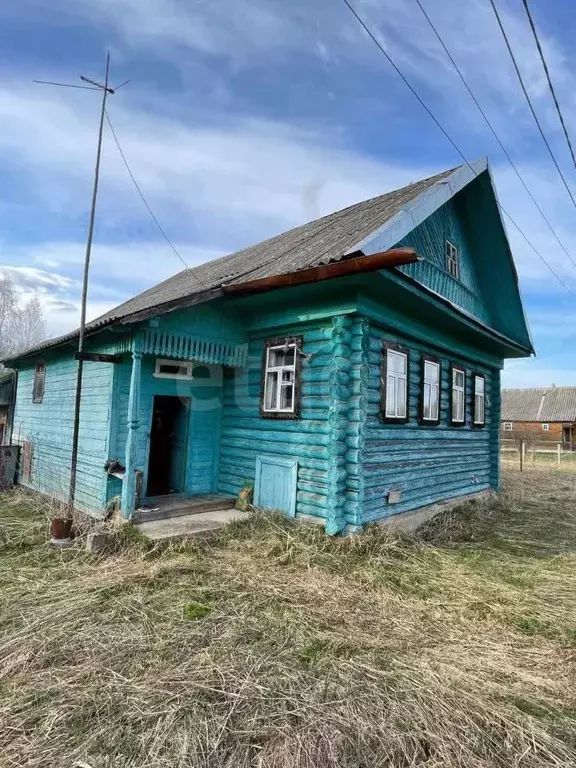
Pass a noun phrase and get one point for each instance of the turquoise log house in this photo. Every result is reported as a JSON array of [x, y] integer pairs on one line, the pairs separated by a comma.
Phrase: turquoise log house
[[350, 368]]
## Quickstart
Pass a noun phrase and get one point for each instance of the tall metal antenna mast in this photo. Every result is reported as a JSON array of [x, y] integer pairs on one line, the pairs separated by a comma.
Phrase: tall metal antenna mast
[[105, 90]]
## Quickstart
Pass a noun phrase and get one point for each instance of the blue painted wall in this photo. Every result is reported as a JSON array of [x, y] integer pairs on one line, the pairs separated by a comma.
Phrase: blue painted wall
[[205, 405], [425, 463], [429, 238], [48, 425], [245, 435]]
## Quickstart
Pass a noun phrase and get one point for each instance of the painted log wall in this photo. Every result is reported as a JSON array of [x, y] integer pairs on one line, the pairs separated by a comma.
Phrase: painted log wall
[[425, 463], [203, 429], [48, 425], [317, 439]]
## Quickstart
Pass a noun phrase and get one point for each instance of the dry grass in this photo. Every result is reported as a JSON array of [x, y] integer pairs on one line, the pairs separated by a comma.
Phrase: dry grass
[[275, 646]]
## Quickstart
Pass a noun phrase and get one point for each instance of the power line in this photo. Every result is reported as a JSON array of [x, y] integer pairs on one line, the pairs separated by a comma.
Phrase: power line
[[552, 90], [450, 139], [493, 130], [534, 115], [150, 211]]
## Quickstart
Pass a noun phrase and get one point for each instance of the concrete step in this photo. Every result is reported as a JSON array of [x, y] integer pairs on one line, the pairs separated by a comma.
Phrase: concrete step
[[180, 506], [188, 526]]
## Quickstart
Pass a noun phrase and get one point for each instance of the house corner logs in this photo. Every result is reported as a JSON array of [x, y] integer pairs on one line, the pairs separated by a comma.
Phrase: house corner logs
[[340, 393], [357, 416]]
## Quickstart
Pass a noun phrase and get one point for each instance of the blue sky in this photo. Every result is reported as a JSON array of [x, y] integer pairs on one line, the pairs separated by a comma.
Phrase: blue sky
[[246, 117]]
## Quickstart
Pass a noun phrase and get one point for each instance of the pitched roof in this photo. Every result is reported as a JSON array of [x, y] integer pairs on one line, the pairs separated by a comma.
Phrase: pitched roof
[[325, 240], [543, 404]]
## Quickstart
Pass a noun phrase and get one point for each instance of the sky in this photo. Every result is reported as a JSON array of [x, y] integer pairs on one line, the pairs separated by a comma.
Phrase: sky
[[243, 118]]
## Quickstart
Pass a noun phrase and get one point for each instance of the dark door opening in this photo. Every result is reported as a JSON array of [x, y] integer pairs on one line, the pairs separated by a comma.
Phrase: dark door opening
[[168, 439]]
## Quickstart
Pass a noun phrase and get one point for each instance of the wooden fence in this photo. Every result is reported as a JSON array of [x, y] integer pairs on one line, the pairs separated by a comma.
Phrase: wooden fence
[[525, 454]]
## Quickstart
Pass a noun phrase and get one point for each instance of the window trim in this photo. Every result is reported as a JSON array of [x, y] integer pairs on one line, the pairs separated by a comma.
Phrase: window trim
[[457, 367], [188, 364], [477, 424], [448, 258], [278, 341], [506, 428], [425, 358], [393, 347], [35, 398]]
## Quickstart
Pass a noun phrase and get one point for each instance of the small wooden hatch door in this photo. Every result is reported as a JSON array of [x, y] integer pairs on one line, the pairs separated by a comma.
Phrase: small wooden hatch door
[[275, 484]]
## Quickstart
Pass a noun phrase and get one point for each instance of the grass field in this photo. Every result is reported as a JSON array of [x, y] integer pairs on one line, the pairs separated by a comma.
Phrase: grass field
[[274, 646]]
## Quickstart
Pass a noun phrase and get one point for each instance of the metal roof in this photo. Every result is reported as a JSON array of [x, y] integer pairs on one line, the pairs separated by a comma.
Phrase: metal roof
[[541, 404], [319, 242]]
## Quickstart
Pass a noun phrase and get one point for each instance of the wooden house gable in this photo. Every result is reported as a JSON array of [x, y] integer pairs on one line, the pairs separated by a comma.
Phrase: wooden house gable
[[460, 213]]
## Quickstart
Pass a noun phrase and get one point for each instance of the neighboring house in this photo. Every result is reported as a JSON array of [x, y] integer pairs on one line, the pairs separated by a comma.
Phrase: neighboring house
[[540, 415], [7, 384], [350, 367]]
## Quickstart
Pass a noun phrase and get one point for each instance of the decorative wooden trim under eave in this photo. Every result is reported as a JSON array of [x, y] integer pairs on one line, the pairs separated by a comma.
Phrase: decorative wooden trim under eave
[[283, 415], [424, 358], [457, 367], [473, 400], [394, 347]]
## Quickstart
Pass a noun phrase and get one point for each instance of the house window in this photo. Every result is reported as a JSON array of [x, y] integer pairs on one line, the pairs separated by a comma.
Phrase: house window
[[430, 390], [39, 383], [452, 266], [173, 369], [395, 383], [546, 427], [281, 378], [507, 426], [479, 411], [458, 389]]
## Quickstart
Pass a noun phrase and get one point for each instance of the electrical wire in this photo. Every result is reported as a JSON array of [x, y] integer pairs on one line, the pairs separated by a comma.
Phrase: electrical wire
[[149, 209], [550, 85], [493, 130], [450, 139], [528, 99]]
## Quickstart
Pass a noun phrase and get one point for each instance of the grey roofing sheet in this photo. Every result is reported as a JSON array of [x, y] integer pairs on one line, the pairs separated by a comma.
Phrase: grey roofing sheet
[[319, 242], [543, 404]]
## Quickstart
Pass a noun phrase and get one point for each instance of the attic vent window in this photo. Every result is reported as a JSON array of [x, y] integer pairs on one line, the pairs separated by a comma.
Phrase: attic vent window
[[173, 369], [452, 266]]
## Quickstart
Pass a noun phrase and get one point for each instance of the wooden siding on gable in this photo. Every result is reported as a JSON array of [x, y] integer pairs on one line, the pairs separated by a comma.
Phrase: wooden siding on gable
[[429, 241], [48, 427], [425, 464]]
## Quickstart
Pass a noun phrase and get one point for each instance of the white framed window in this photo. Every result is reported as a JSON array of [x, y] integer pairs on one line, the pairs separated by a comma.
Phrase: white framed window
[[430, 390], [173, 369], [280, 378], [458, 394], [546, 427], [507, 426], [452, 265], [479, 400], [395, 381], [39, 382]]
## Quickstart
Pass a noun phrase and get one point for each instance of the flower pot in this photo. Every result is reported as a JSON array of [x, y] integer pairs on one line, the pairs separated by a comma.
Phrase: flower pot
[[60, 528]]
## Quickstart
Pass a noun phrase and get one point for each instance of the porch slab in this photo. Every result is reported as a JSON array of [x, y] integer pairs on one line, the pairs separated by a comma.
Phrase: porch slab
[[188, 526]]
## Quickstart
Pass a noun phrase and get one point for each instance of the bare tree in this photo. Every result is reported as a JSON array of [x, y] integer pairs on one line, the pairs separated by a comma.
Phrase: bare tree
[[21, 325]]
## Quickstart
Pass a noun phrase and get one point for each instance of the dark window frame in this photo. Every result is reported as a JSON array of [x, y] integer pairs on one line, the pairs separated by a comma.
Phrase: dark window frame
[[393, 347], [477, 424], [275, 342], [457, 367], [39, 397], [425, 358]]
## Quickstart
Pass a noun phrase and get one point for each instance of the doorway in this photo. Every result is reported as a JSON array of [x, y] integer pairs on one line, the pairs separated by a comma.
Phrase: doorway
[[168, 441]]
